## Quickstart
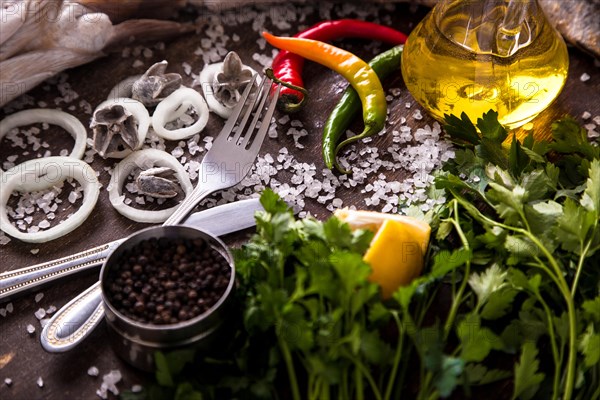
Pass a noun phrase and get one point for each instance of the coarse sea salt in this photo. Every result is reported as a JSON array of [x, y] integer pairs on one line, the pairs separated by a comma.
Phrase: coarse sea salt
[[40, 313], [93, 371], [39, 297], [40, 382], [109, 384], [30, 329]]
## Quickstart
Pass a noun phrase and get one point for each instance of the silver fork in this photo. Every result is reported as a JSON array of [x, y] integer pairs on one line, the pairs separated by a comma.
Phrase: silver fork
[[227, 162]]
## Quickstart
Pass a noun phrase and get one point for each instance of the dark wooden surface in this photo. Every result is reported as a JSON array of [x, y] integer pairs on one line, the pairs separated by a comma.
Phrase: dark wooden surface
[[21, 356]]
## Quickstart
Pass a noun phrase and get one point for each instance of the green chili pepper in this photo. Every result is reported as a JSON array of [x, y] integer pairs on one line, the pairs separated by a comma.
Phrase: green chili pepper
[[349, 106]]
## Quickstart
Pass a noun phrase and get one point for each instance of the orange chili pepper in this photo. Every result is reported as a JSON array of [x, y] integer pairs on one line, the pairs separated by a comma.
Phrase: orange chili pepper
[[357, 72]]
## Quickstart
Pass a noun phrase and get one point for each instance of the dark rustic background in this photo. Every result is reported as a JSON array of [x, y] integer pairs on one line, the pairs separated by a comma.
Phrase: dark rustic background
[[21, 356]]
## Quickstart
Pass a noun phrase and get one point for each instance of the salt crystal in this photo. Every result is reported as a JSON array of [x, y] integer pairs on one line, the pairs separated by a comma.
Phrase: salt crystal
[[50, 310], [44, 322], [40, 382], [40, 313], [584, 77], [407, 105], [4, 239], [8, 381], [3, 312], [147, 53], [39, 297], [9, 307], [44, 224], [93, 371], [177, 152], [136, 388], [73, 196], [30, 329], [597, 119], [137, 64], [109, 382], [586, 115]]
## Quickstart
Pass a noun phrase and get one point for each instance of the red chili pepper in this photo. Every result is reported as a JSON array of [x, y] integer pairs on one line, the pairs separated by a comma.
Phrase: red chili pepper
[[288, 66]]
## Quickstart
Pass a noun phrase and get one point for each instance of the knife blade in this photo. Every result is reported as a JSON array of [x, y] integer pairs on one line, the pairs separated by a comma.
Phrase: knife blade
[[218, 220]]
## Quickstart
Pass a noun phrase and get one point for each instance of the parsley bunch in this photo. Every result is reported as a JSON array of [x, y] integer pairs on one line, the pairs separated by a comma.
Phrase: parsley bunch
[[510, 295], [528, 218]]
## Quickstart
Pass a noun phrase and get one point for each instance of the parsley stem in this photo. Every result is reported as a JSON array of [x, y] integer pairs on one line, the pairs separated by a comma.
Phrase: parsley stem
[[289, 363], [361, 371], [582, 258], [397, 355], [360, 395], [555, 355], [458, 298]]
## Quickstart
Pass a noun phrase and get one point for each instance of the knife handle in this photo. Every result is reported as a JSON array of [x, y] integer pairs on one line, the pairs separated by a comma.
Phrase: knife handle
[[26, 279], [70, 325]]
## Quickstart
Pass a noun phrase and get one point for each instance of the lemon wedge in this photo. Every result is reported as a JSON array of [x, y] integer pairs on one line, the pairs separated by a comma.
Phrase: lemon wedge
[[396, 253]]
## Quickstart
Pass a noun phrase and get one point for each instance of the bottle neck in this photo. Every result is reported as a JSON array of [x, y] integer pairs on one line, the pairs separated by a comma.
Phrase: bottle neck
[[498, 27]]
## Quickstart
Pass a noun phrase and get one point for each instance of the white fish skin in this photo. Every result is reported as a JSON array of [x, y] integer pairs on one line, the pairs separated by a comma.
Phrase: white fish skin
[[44, 37]]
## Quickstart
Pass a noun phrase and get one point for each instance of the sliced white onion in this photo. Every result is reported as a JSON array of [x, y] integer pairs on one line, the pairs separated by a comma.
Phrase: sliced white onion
[[145, 159], [170, 109], [41, 174], [123, 88], [139, 112], [207, 75], [49, 116]]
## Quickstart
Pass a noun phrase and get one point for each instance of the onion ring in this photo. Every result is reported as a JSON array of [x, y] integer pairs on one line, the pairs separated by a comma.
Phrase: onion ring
[[40, 174], [145, 159], [167, 111], [49, 116], [123, 88], [206, 79], [139, 112]]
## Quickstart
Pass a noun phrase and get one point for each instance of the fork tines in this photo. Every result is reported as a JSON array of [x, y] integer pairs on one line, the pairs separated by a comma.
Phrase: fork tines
[[238, 130]]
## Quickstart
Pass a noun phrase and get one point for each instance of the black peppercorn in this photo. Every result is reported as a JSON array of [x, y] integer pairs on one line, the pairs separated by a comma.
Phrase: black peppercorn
[[167, 281]]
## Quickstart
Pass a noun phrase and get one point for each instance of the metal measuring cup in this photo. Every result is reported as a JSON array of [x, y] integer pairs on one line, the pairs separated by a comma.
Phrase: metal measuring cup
[[137, 342]]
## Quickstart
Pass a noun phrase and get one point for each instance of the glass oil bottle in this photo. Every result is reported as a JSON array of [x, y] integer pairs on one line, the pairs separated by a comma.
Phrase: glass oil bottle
[[475, 55]]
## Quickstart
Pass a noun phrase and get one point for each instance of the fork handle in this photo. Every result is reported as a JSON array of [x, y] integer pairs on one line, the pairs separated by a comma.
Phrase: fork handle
[[74, 322], [188, 205], [25, 279]]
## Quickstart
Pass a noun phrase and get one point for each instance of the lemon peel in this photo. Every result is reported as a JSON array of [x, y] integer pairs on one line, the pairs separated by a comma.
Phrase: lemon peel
[[396, 253]]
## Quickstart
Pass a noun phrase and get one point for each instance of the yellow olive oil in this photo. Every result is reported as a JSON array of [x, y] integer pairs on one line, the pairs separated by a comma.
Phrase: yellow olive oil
[[454, 63]]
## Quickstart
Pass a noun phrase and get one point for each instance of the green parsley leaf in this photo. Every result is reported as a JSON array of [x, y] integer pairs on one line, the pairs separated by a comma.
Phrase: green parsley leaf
[[570, 137], [447, 379], [185, 391], [589, 346], [374, 349], [591, 309], [572, 226], [476, 341], [489, 281], [591, 197], [478, 374], [490, 127], [461, 130], [498, 303], [518, 158], [527, 377]]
